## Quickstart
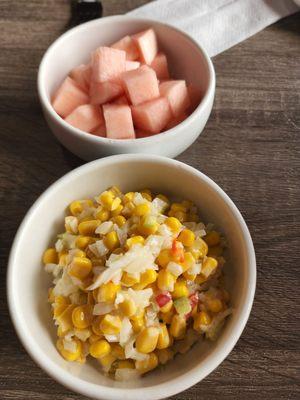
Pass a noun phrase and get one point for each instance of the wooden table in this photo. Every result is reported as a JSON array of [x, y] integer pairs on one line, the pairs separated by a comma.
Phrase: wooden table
[[250, 146]]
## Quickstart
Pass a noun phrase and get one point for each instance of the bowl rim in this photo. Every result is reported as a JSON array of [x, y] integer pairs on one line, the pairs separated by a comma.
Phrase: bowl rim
[[162, 390], [124, 142]]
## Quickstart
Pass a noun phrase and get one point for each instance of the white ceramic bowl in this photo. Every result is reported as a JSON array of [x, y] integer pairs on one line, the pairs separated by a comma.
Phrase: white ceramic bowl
[[28, 282], [187, 58]]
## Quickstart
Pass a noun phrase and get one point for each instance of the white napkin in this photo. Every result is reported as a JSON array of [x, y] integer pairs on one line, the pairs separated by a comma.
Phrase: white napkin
[[218, 24]]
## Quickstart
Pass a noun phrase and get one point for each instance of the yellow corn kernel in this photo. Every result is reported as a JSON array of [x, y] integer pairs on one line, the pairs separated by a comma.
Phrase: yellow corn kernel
[[137, 324], [64, 320], [165, 280], [110, 324], [115, 190], [212, 238], [215, 251], [119, 220], [199, 248], [83, 241], [106, 361], [192, 217], [102, 214], [134, 240], [59, 309], [168, 315], [178, 207], [59, 300], [94, 338], [208, 267], [178, 326], [117, 211], [147, 340], [50, 256], [163, 337], [167, 307], [128, 197], [111, 240], [122, 364], [100, 348], [201, 319], [76, 207], [173, 223], [128, 209], [68, 355], [87, 228], [147, 365], [164, 258], [79, 253], [128, 280], [187, 237], [106, 198], [146, 278], [180, 289], [189, 261], [164, 355], [147, 195], [80, 267], [214, 305], [148, 225], [118, 351], [128, 307], [51, 296], [116, 206], [188, 276], [108, 292], [60, 332], [142, 209], [82, 316]]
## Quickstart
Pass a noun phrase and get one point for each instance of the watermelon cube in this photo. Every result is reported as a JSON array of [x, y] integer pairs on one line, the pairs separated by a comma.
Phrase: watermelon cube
[[100, 131], [103, 92], [128, 45], [68, 96], [118, 121], [177, 94], [177, 120], [195, 95], [147, 45], [82, 76], [86, 117], [160, 66], [141, 85], [107, 64], [130, 65], [152, 116]]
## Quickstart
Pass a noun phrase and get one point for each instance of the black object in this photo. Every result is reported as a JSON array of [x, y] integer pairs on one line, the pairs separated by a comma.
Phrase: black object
[[85, 10]]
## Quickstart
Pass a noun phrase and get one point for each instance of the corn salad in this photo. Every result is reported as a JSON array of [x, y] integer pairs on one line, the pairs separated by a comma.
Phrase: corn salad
[[136, 279]]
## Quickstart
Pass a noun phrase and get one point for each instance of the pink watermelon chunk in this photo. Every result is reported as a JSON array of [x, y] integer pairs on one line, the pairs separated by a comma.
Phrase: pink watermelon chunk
[[195, 95], [152, 116], [160, 66], [128, 45], [82, 76], [118, 121], [103, 92], [176, 121], [141, 84], [100, 131], [68, 96], [86, 117], [177, 94], [130, 65], [107, 64], [147, 45]]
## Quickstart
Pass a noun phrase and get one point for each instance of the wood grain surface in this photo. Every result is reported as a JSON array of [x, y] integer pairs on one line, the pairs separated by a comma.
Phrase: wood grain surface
[[250, 147]]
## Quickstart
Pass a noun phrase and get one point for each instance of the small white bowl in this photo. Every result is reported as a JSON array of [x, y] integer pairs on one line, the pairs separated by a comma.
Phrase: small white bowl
[[27, 282], [188, 60]]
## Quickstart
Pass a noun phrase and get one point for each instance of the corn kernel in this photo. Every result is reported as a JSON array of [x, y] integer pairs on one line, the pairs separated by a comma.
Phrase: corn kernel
[[82, 316], [147, 340], [102, 214], [115, 190], [189, 277], [51, 296], [146, 278], [142, 209], [80, 267], [94, 338], [76, 207], [163, 337], [201, 319], [173, 223], [106, 198], [180, 289], [50, 256], [178, 207], [68, 355], [168, 315], [108, 292], [128, 280], [212, 238], [83, 241], [100, 348], [165, 280], [117, 211], [111, 240], [178, 326], [137, 324], [208, 267], [122, 364], [189, 261], [147, 365], [64, 320], [134, 240], [164, 258], [119, 220], [128, 307], [199, 248], [128, 197], [107, 361], [118, 351], [148, 225], [164, 355], [167, 307], [215, 251], [147, 195], [214, 305], [87, 228], [187, 237], [128, 209], [110, 324]]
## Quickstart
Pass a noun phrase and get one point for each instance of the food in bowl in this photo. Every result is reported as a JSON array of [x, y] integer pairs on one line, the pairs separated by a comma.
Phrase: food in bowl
[[137, 279], [125, 91]]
